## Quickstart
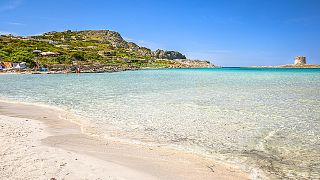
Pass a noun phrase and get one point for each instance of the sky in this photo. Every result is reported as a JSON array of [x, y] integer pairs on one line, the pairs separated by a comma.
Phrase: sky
[[225, 32]]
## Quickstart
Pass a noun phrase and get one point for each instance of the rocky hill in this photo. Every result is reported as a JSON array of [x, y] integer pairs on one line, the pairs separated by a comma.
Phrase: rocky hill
[[112, 38], [93, 49]]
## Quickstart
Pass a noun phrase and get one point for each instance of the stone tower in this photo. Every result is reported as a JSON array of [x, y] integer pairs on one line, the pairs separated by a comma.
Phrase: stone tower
[[300, 60]]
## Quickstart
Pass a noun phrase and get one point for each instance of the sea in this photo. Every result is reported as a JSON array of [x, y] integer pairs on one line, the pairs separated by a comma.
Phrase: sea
[[267, 120]]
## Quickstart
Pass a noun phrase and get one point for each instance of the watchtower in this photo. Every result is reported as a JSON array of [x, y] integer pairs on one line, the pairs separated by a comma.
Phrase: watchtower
[[300, 60]]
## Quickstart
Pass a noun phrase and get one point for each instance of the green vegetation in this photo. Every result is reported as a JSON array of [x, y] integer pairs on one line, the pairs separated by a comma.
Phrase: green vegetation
[[94, 50], [72, 46]]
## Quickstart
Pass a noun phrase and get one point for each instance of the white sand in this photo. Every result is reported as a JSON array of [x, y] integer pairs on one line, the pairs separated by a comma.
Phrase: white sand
[[23, 156], [36, 144]]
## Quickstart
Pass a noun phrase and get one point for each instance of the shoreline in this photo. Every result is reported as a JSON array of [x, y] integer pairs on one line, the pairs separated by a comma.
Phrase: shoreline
[[68, 72], [288, 66], [129, 161], [308, 66]]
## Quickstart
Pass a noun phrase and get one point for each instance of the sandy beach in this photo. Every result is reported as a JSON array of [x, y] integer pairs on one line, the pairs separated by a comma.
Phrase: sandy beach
[[37, 144]]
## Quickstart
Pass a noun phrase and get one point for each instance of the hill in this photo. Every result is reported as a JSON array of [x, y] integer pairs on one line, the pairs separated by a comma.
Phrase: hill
[[96, 48]]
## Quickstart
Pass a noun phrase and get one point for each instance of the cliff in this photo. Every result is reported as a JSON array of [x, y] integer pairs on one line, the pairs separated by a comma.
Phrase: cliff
[[161, 54]]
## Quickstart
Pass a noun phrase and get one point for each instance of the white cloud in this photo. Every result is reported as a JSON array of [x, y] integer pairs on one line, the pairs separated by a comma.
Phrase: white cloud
[[16, 24], [128, 39], [37, 34], [6, 33], [147, 44], [10, 5]]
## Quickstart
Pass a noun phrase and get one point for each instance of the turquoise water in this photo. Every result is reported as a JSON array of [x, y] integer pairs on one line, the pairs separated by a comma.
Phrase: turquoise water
[[265, 119]]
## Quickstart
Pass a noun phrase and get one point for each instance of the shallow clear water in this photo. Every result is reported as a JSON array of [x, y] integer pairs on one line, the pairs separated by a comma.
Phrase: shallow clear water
[[262, 118]]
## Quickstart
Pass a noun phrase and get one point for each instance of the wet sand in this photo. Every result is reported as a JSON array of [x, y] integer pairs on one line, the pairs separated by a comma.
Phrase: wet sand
[[36, 143]]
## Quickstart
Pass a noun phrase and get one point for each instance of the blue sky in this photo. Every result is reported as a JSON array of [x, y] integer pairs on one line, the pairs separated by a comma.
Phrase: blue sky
[[228, 33]]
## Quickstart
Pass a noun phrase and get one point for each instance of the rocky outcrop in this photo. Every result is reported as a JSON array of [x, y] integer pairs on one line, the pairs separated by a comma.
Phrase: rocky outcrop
[[143, 51], [186, 63], [162, 54], [104, 36]]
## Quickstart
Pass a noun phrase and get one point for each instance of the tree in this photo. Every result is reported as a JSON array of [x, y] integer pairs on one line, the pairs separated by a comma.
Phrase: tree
[[4, 55], [64, 59], [92, 56], [78, 55]]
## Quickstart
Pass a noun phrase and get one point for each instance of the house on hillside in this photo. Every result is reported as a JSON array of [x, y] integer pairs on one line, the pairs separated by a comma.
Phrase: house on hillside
[[21, 65], [36, 52], [47, 54]]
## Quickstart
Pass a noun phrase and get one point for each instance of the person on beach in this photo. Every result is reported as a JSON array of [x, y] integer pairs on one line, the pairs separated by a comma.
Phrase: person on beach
[[78, 69]]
